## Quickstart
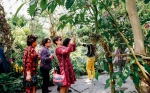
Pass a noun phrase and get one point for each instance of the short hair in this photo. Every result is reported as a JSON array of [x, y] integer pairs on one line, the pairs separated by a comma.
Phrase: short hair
[[44, 41], [66, 42], [56, 39], [31, 39]]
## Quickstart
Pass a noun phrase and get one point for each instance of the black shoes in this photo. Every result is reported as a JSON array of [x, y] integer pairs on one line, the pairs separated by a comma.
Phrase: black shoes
[[69, 90], [49, 90], [58, 89]]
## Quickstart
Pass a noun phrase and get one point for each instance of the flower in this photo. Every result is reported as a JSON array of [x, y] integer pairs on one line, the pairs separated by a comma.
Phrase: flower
[[16, 66], [11, 60]]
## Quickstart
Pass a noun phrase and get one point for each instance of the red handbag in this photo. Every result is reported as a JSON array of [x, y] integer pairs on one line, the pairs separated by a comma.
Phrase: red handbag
[[58, 79]]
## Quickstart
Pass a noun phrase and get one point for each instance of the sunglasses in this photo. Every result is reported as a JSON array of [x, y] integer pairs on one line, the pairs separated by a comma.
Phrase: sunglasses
[[60, 39]]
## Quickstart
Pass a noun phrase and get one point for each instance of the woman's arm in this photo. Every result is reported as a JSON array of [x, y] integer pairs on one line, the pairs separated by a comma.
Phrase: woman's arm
[[64, 50], [30, 53], [44, 56]]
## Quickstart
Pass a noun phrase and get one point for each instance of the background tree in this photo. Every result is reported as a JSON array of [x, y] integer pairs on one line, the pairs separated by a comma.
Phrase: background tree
[[101, 19], [5, 32]]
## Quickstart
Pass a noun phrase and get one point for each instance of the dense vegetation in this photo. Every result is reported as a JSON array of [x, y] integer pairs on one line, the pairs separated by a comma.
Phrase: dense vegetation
[[106, 22]]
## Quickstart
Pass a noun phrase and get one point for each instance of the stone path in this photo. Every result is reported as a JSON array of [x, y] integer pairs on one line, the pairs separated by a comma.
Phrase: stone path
[[95, 86]]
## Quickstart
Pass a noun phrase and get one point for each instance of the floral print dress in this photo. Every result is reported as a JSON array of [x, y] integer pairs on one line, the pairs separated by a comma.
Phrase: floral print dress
[[65, 64], [30, 59]]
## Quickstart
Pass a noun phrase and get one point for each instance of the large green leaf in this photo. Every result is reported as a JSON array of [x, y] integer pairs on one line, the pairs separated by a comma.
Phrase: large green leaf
[[106, 67], [119, 82], [146, 1], [51, 6], [107, 83], [62, 25], [64, 17], [116, 74], [123, 1], [18, 9], [136, 79], [43, 4], [147, 67], [32, 7], [82, 16], [5, 88], [96, 75], [69, 3]]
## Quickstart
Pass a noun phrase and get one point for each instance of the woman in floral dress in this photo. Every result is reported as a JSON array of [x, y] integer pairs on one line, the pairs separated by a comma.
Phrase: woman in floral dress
[[30, 58], [65, 63]]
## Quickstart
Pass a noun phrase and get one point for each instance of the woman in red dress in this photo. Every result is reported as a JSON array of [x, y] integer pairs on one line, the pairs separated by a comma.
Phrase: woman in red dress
[[30, 58], [62, 54]]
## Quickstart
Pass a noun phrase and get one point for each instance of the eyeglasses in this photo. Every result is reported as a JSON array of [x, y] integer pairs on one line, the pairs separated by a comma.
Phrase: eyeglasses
[[60, 39]]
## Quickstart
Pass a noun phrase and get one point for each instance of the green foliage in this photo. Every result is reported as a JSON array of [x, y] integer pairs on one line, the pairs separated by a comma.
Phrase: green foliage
[[78, 62], [32, 7], [136, 78], [18, 9], [146, 1], [69, 3], [107, 83], [97, 75], [9, 83], [19, 21], [106, 67], [99, 21], [146, 66], [119, 82], [20, 36], [83, 31], [43, 4], [51, 6]]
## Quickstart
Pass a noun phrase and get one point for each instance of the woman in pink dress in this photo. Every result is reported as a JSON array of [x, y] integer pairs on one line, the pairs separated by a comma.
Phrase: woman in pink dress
[[65, 63]]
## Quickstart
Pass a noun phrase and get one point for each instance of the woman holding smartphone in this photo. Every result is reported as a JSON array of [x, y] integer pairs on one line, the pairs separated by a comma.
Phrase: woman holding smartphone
[[62, 53]]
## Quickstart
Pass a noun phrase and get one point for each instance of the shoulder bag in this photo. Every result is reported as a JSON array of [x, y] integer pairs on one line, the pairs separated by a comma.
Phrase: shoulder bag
[[58, 79]]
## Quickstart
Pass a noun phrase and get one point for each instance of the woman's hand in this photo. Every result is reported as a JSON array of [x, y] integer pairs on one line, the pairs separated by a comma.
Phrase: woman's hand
[[28, 77], [51, 56], [80, 42], [73, 40]]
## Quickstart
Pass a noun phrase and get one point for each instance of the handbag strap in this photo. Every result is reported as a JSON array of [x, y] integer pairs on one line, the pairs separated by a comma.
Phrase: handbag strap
[[63, 62]]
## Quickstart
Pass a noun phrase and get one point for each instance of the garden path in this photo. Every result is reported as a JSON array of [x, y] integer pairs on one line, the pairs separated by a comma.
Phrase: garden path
[[96, 86]]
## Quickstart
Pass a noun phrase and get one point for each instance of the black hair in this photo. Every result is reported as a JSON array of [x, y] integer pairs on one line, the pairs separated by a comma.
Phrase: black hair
[[66, 42], [41, 43], [56, 39], [44, 41], [31, 39]]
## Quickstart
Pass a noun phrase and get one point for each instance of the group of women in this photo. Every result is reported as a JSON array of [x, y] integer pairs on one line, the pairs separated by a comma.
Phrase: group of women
[[30, 58]]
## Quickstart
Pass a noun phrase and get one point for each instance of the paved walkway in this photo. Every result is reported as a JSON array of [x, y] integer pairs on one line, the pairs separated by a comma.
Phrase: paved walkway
[[95, 86]]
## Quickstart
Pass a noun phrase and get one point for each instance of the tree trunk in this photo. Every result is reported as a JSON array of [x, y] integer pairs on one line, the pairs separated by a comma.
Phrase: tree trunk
[[108, 55], [136, 27], [144, 86], [5, 32]]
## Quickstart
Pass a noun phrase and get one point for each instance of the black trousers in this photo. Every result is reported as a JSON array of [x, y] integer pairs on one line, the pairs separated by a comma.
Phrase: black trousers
[[45, 75]]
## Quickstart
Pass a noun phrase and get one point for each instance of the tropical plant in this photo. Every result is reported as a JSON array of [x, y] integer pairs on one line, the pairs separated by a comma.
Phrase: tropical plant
[[9, 83], [108, 23]]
